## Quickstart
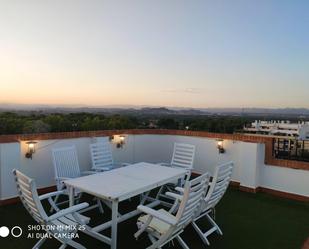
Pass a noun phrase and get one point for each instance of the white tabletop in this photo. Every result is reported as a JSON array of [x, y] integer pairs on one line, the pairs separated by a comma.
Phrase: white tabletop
[[123, 183]]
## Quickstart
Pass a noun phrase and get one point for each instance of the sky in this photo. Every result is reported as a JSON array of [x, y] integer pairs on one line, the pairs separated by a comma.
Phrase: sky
[[177, 53]]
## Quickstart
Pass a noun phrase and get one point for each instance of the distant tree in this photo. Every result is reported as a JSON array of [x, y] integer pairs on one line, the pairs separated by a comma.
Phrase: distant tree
[[10, 123], [93, 123], [168, 123], [35, 126], [34, 122], [121, 122], [58, 123]]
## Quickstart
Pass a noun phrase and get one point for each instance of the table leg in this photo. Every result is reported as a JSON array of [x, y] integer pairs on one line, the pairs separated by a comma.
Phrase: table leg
[[114, 223], [71, 196]]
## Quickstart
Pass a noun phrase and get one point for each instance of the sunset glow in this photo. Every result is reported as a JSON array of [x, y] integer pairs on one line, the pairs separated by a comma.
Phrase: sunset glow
[[164, 53]]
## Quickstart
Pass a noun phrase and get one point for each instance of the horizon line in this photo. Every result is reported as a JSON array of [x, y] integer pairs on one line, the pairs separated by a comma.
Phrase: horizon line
[[129, 106]]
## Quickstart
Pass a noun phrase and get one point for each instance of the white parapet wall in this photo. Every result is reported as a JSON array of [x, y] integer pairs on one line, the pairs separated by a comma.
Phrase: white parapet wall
[[40, 167], [9, 159], [250, 170]]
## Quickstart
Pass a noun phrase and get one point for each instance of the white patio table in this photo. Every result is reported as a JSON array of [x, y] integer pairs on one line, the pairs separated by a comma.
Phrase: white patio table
[[121, 184]]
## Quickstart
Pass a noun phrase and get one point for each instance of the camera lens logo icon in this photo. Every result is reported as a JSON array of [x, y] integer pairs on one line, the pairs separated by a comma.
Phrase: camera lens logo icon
[[15, 231], [4, 232]]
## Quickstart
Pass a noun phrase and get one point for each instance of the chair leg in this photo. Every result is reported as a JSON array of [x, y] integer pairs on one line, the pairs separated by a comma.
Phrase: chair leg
[[53, 205], [55, 202], [200, 233], [78, 198], [214, 224], [213, 213], [154, 243], [151, 238], [40, 242], [204, 235], [159, 192], [181, 242]]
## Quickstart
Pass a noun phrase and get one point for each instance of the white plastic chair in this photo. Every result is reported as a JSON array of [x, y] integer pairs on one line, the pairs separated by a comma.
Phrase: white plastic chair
[[66, 167], [102, 157], [183, 157], [218, 187], [162, 226], [62, 225]]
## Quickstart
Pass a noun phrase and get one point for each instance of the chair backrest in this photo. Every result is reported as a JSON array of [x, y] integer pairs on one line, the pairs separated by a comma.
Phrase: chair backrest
[[101, 155], [27, 192], [66, 162], [193, 197], [183, 155], [219, 184]]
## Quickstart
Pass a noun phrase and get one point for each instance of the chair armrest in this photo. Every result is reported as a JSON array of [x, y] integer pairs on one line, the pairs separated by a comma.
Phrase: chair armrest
[[175, 196], [51, 194], [161, 216], [68, 210], [180, 190]]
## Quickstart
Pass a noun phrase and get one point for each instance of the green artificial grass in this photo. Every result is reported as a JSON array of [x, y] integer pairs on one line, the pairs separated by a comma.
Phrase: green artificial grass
[[248, 221]]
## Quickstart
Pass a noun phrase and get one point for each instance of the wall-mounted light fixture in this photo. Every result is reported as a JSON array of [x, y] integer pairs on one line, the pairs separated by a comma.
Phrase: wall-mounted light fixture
[[122, 140], [30, 149], [220, 146], [119, 140]]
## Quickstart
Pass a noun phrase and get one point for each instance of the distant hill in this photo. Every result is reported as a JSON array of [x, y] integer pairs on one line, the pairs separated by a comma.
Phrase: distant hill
[[144, 110], [270, 111]]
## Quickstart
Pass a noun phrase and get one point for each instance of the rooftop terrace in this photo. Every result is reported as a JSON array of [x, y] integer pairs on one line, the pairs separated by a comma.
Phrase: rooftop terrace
[[248, 220]]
